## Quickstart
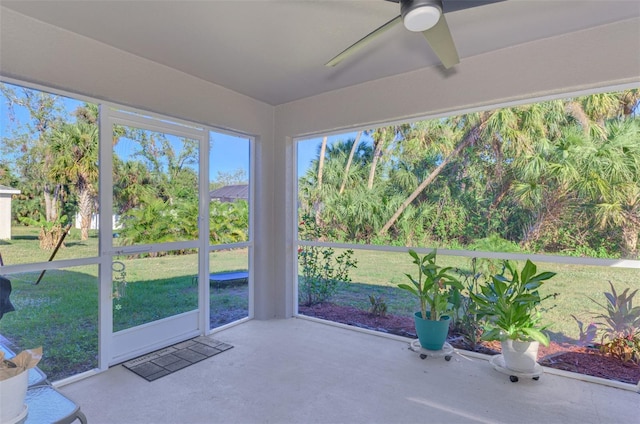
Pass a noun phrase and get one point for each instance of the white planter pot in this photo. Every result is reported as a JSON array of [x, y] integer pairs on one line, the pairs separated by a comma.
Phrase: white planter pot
[[12, 394], [520, 356]]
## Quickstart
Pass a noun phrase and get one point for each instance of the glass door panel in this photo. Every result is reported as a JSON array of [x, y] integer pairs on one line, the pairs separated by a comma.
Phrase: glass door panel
[[155, 187], [148, 288], [156, 237], [229, 190], [229, 286]]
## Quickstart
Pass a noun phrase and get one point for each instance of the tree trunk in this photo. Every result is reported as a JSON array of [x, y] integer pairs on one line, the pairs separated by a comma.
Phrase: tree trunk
[[51, 199], [323, 149], [318, 201], [534, 230], [471, 136], [348, 166], [630, 238], [49, 239], [575, 110], [376, 155], [85, 209], [497, 200], [48, 213]]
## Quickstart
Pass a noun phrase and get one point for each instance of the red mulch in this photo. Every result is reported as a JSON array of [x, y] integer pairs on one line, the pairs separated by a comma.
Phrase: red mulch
[[564, 356]]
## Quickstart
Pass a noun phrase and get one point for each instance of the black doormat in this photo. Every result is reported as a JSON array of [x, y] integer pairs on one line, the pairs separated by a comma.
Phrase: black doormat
[[165, 361]]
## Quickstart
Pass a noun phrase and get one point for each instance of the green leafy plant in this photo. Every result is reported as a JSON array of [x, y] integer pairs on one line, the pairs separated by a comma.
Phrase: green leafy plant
[[436, 289], [322, 270], [378, 306], [620, 325], [510, 304], [50, 231], [466, 320]]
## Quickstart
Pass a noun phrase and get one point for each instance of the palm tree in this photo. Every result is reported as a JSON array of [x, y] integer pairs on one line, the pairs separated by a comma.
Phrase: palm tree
[[75, 148], [132, 182], [382, 137], [354, 146], [612, 180], [321, 157], [228, 222], [472, 135]]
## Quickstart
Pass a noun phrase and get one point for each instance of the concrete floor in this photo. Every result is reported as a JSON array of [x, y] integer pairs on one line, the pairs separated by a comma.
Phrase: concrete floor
[[299, 371]]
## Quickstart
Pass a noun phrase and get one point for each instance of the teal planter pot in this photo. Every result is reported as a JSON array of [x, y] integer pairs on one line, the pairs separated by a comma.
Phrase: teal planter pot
[[432, 334]]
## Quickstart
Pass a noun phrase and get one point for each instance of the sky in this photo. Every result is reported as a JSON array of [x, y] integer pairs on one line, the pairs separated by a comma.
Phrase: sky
[[228, 153], [308, 149]]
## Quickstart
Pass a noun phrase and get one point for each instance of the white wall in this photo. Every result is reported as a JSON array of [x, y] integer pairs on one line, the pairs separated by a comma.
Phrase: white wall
[[5, 216]]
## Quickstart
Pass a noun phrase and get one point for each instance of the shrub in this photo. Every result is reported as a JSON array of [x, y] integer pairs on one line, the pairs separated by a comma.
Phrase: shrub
[[322, 270], [378, 306], [466, 321], [620, 324]]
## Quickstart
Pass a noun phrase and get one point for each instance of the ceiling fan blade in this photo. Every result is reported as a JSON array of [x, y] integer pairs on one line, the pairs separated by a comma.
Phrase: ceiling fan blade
[[440, 40], [363, 41]]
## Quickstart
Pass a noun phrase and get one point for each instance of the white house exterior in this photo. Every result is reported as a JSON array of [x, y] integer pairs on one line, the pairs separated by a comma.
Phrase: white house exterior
[[5, 211]]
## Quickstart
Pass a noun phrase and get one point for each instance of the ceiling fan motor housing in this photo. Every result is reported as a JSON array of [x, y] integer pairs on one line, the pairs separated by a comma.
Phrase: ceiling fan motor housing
[[420, 15]]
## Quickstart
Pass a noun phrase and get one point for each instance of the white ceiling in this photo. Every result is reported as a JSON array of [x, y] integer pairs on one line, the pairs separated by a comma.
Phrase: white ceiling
[[275, 50]]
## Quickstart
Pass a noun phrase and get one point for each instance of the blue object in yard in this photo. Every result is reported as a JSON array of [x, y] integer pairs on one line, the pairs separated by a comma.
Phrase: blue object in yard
[[220, 278]]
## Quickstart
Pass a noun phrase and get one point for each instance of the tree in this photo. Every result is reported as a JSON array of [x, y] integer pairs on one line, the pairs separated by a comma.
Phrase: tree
[[354, 146], [35, 157], [321, 157], [381, 139], [516, 178], [132, 182], [238, 176], [612, 180], [228, 222], [469, 138], [75, 149]]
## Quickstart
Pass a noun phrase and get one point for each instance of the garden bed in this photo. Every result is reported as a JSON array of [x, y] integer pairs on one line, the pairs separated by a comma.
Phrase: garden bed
[[563, 356]]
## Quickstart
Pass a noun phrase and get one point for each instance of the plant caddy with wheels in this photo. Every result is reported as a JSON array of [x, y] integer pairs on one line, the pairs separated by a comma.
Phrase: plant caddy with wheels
[[510, 307], [446, 351], [436, 289]]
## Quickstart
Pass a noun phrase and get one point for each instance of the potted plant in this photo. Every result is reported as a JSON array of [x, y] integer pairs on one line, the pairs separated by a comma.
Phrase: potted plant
[[510, 306], [436, 290]]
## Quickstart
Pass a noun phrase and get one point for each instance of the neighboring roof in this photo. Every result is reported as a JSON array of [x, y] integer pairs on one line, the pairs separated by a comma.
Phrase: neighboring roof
[[8, 190], [230, 193]]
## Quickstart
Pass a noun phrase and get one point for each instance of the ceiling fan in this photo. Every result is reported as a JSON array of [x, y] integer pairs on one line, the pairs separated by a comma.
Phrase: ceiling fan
[[426, 16]]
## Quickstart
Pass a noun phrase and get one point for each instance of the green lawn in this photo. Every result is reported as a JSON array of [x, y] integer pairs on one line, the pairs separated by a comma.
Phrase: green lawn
[[23, 246], [61, 313], [378, 273]]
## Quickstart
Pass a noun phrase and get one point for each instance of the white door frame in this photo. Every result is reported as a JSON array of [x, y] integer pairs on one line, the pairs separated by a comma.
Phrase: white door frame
[[126, 344]]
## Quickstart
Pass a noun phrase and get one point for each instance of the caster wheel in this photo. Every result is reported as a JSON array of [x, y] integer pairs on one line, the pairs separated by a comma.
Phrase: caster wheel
[[513, 378], [423, 356], [447, 358], [536, 378]]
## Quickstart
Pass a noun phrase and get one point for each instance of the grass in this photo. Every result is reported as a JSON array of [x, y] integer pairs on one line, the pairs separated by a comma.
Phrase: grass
[[24, 246], [378, 273], [61, 313]]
